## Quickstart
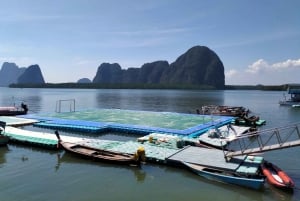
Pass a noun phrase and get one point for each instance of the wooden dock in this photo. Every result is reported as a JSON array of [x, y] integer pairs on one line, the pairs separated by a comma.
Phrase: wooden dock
[[214, 158]]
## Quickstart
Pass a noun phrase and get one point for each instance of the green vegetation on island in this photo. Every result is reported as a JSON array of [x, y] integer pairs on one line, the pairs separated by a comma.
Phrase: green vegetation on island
[[149, 86]]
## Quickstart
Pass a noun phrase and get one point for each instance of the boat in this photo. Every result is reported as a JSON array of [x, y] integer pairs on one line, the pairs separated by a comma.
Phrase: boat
[[294, 91], [224, 176], [3, 138], [220, 137], [13, 111], [241, 114], [234, 111], [101, 154], [276, 176]]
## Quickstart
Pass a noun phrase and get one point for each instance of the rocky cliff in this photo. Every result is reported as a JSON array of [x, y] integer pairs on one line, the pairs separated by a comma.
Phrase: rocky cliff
[[108, 73], [10, 73], [32, 75], [199, 66]]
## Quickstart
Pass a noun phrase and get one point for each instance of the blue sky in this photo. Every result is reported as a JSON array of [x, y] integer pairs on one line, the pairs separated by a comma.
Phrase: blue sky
[[258, 41]]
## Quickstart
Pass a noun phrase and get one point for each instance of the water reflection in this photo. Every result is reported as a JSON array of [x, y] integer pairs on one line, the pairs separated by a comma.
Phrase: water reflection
[[3, 150], [280, 194], [138, 172], [33, 100], [34, 103], [158, 100]]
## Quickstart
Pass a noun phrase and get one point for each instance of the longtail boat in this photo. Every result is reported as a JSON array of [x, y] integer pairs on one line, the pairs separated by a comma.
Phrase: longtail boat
[[101, 154], [13, 111]]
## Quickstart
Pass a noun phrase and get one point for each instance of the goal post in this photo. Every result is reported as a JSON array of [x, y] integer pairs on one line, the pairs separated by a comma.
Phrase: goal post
[[67, 105]]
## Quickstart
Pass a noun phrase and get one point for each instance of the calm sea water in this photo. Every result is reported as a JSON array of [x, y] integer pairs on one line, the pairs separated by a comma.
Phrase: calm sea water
[[35, 174]]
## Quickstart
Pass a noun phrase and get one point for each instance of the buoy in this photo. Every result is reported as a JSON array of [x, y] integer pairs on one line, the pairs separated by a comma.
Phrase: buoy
[[140, 155]]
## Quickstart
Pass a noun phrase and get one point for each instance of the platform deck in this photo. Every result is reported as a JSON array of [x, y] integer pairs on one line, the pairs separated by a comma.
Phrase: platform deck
[[34, 138], [143, 122], [16, 121], [205, 157]]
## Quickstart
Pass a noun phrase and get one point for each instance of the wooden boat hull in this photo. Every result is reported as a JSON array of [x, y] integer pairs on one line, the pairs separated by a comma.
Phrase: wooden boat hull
[[3, 140], [98, 154], [218, 175], [13, 111], [276, 176], [101, 154]]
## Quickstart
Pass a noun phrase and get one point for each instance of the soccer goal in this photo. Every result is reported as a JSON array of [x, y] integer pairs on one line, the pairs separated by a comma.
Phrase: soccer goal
[[67, 105]]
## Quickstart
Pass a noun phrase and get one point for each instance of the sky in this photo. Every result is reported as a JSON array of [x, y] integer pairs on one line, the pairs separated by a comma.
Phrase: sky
[[258, 41]]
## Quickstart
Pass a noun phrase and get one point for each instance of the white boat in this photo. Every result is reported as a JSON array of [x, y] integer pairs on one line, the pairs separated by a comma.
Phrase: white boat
[[294, 100], [220, 137]]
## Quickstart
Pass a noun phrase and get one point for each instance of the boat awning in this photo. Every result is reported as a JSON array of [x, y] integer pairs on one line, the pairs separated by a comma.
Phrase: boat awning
[[294, 91]]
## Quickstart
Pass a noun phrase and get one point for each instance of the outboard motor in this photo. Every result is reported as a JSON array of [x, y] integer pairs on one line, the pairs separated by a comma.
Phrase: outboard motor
[[24, 107]]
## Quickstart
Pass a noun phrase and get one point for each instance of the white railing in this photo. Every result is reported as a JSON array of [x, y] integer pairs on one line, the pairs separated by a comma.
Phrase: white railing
[[265, 140]]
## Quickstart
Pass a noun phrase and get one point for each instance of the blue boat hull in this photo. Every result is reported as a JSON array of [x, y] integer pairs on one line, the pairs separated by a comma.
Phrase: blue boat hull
[[241, 181]]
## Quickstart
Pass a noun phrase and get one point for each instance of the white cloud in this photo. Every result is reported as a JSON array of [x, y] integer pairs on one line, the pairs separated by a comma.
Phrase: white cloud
[[287, 64], [262, 72], [231, 73], [258, 66], [262, 65]]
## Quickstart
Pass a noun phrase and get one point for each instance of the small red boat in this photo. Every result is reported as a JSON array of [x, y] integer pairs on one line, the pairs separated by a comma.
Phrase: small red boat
[[13, 111], [276, 176]]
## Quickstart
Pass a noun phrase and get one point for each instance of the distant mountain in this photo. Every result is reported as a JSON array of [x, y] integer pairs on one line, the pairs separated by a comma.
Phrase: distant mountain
[[199, 66], [32, 75], [84, 80], [108, 73], [10, 73]]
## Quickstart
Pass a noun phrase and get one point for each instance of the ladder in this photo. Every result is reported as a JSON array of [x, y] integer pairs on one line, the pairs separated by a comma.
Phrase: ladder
[[265, 140]]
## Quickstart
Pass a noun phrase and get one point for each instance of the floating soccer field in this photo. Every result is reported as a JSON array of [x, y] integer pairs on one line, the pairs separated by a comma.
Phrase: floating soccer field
[[145, 122]]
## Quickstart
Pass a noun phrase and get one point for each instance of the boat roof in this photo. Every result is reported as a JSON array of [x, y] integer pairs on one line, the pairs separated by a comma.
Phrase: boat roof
[[294, 91], [294, 88]]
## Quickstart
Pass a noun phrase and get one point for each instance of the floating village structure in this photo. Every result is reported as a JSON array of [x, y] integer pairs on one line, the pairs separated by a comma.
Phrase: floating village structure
[[294, 99], [197, 142]]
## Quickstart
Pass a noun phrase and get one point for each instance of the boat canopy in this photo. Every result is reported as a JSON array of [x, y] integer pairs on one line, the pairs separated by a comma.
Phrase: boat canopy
[[294, 91]]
